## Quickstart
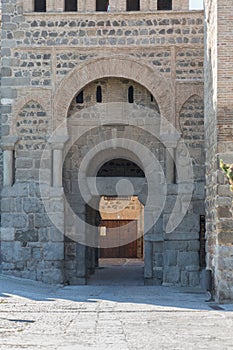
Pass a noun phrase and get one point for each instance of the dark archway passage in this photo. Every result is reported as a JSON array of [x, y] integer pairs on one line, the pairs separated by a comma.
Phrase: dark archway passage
[[118, 272], [120, 252]]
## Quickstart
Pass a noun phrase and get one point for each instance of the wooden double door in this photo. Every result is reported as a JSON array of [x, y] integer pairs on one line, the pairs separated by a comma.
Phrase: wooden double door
[[118, 239]]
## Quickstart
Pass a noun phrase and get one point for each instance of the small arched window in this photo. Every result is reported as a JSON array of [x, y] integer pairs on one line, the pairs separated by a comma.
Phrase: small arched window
[[79, 97], [133, 5], [71, 5], [102, 5], [164, 5], [99, 94], [131, 94], [151, 98], [40, 5]]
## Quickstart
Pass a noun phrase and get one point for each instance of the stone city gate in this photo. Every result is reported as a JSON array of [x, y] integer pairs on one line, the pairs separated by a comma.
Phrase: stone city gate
[[94, 142], [88, 188], [89, 136], [48, 58]]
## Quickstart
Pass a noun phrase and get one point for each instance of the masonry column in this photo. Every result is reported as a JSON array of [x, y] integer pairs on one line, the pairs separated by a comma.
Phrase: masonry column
[[57, 166], [170, 142], [58, 143], [55, 5], [90, 6], [152, 5], [81, 5], [144, 5], [28, 5], [170, 165], [180, 5], [117, 5], [8, 144]]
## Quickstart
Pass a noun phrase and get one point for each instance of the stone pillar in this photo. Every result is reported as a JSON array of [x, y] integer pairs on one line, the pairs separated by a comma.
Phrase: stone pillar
[[148, 269], [57, 143], [170, 141], [144, 5], [117, 5], [59, 5], [90, 6], [55, 5], [7, 167], [180, 5], [28, 5], [81, 5], [170, 166], [57, 167], [152, 5], [50, 5], [8, 144]]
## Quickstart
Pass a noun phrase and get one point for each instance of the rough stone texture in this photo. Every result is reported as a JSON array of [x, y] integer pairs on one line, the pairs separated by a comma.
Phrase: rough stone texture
[[218, 136], [47, 59]]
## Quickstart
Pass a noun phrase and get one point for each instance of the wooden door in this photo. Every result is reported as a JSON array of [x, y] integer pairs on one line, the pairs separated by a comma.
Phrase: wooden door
[[117, 234]]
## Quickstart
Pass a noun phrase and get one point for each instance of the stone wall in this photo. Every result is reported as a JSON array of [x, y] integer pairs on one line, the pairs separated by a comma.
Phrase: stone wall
[[218, 120], [46, 60], [211, 131], [225, 151], [219, 137], [1, 160]]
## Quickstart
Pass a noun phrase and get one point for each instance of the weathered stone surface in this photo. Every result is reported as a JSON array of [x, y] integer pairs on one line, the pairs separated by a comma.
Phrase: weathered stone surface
[[53, 276], [7, 234], [14, 220], [11, 251], [171, 275], [26, 236], [170, 258], [188, 259], [46, 62], [54, 251]]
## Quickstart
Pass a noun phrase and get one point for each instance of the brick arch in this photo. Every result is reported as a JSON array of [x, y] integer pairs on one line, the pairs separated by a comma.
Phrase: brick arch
[[187, 91], [191, 118], [40, 97], [32, 124], [187, 99], [118, 66]]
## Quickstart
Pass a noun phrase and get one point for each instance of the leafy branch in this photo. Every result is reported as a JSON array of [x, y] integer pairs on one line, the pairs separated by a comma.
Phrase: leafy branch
[[228, 170]]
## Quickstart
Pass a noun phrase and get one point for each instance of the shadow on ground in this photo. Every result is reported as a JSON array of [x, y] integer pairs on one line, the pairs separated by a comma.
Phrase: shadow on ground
[[114, 283]]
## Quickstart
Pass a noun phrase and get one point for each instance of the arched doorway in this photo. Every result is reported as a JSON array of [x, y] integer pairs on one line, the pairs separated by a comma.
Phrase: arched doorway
[[113, 128], [120, 252]]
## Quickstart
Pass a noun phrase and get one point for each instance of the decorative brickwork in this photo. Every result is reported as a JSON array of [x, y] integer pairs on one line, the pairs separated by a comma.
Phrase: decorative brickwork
[[32, 126]]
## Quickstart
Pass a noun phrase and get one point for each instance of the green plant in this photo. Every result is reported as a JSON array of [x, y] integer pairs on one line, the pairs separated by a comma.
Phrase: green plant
[[228, 170]]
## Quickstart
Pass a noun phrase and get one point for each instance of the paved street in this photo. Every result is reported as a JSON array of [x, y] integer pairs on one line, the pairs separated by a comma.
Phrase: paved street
[[101, 317]]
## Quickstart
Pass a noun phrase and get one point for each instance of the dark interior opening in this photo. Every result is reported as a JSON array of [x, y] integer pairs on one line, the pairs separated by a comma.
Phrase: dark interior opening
[[133, 5], [40, 6], [99, 94], [120, 168], [71, 5], [131, 94], [102, 5], [79, 97], [164, 5]]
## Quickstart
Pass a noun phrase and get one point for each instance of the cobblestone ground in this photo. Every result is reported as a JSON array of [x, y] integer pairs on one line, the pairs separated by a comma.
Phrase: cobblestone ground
[[38, 316]]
